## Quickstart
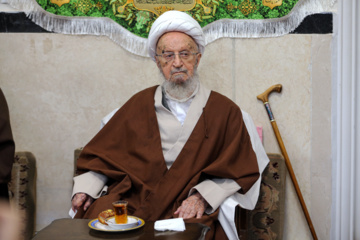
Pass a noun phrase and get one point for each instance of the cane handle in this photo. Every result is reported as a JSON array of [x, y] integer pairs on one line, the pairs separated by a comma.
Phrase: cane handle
[[264, 96]]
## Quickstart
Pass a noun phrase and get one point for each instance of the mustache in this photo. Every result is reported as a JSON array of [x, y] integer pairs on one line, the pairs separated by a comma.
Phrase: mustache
[[177, 70]]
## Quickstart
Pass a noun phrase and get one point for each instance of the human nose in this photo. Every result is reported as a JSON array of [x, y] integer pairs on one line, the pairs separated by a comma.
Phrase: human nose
[[177, 60]]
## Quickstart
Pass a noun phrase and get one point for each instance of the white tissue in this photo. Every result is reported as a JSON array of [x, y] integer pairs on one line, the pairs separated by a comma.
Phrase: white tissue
[[72, 213], [174, 224]]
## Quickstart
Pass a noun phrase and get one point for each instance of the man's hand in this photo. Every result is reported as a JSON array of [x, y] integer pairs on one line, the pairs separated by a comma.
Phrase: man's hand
[[193, 206], [81, 199], [10, 222]]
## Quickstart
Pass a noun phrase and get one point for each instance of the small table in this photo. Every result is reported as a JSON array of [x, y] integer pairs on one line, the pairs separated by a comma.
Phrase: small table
[[78, 229]]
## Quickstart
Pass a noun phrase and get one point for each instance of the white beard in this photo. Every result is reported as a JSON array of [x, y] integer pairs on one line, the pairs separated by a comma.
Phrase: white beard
[[181, 92]]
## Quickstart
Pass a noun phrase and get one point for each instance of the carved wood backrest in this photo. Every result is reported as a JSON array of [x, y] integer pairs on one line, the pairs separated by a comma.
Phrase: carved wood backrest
[[266, 221]]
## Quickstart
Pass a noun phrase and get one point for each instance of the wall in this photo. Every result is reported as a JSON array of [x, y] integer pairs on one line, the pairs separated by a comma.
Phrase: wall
[[59, 87]]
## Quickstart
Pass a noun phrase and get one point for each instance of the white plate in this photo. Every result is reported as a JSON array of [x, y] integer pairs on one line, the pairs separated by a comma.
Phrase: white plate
[[131, 222], [96, 225]]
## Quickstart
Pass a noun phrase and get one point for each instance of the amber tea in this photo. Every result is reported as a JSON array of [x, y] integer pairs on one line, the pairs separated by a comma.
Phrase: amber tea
[[120, 209]]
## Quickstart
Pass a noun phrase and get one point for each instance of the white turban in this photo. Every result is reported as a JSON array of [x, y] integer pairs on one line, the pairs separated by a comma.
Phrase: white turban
[[175, 21]]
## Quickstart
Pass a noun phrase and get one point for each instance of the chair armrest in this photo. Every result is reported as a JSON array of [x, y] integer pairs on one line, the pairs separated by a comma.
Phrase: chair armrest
[[22, 188]]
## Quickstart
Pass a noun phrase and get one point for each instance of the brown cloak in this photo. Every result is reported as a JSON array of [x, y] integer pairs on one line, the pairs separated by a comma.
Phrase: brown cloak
[[128, 151], [7, 147]]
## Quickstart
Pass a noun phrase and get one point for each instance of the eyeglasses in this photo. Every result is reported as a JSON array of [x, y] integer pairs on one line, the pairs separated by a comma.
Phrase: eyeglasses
[[170, 56]]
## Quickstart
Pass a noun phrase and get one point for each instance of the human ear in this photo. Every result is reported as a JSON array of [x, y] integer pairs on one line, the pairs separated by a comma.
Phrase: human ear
[[198, 57], [158, 62]]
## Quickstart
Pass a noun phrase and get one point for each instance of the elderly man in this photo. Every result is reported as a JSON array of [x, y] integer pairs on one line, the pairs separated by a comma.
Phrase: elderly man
[[175, 150]]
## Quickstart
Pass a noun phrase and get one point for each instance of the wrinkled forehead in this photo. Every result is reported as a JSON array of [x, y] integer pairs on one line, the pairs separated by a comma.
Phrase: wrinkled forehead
[[175, 39]]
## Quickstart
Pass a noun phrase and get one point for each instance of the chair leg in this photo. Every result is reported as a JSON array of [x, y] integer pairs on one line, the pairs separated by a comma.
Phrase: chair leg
[[241, 222]]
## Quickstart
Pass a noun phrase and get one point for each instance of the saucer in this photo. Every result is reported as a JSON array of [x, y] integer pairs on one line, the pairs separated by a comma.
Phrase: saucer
[[98, 226]]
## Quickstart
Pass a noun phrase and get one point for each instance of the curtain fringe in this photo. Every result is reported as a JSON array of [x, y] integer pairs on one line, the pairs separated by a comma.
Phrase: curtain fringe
[[231, 28], [263, 28]]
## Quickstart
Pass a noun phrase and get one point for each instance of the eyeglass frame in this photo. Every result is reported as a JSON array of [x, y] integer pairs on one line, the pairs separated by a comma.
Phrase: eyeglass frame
[[173, 58]]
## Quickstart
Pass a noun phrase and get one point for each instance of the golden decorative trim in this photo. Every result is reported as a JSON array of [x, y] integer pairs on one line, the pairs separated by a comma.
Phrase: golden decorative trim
[[85, 5], [121, 8], [207, 10], [60, 2], [163, 9], [246, 7], [272, 3], [99, 5]]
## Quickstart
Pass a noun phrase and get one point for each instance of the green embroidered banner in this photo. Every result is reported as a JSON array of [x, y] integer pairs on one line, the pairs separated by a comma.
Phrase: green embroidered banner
[[138, 15], [127, 22]]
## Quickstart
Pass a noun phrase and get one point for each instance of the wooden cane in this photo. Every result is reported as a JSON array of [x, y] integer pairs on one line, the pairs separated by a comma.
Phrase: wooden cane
[[264, 98]]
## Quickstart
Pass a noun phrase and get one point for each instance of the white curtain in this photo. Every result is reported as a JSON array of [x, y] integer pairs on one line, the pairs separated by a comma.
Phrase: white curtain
[[346, 122]]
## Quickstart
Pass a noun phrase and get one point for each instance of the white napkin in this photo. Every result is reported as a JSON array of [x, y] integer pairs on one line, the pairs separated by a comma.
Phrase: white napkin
[[174, 224], [72, 213]]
